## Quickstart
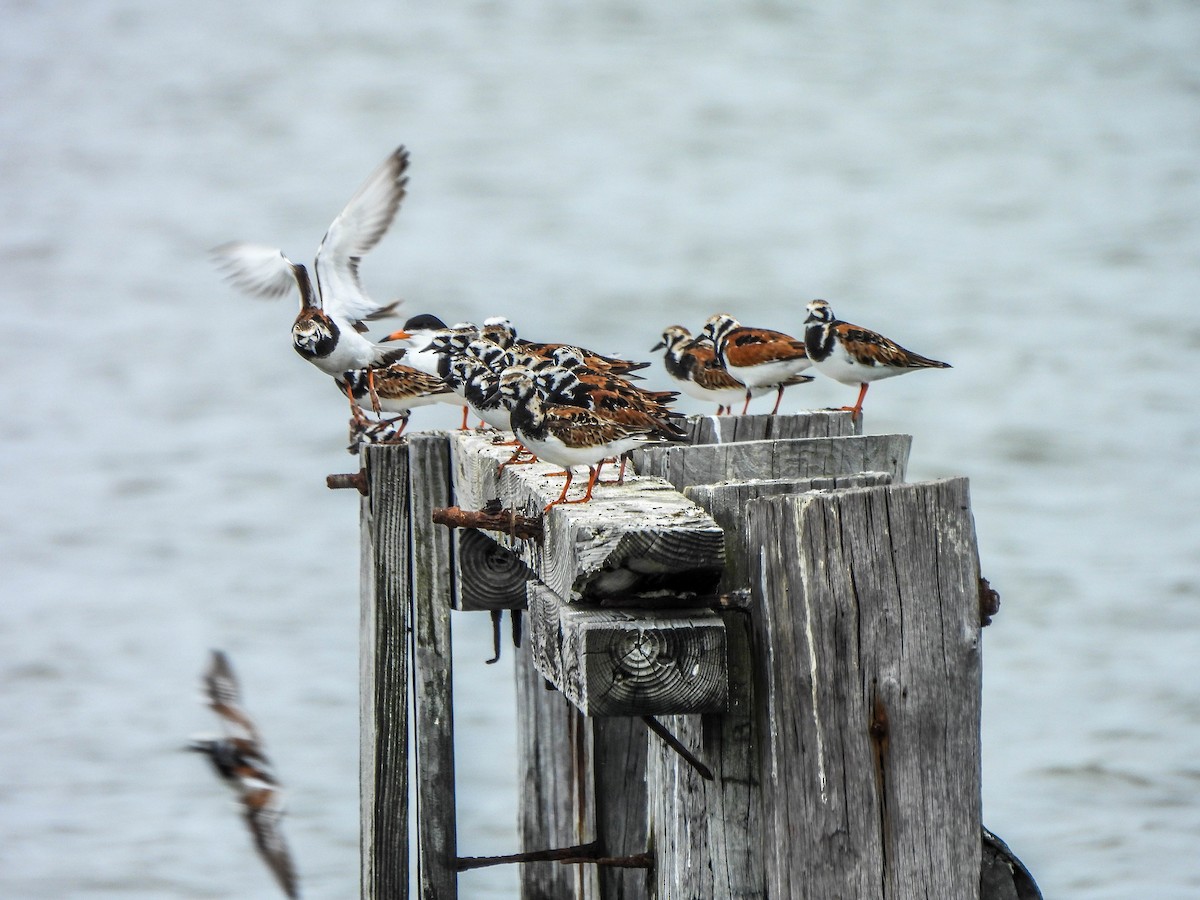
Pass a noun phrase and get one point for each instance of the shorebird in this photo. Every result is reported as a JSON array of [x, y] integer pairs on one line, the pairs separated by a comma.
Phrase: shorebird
[[500, 330], [757, 357], [398, 390], [691, 362], [570, 435], [854, 355], [427, 340], [239, 760], [329, 330]]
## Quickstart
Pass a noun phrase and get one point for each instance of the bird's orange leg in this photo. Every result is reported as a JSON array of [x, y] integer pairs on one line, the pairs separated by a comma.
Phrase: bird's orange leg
[[356, 413], [466, 412], [514, 460], [856, 409], [778, 399], [594, 473], [746, 405], [562, 498], [371, 390]]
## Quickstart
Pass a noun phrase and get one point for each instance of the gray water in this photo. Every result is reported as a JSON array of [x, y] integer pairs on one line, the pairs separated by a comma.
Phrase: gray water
[[1014, 188]]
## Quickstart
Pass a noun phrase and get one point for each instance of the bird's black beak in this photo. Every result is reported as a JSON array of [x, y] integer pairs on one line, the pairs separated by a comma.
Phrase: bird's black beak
[[661, 345]]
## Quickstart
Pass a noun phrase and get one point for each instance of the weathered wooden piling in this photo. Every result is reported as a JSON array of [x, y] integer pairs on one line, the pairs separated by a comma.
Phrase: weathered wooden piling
[[799, 622]]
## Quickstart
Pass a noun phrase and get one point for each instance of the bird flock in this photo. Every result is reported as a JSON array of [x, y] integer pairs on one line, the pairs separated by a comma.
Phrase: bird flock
[[562, 403]]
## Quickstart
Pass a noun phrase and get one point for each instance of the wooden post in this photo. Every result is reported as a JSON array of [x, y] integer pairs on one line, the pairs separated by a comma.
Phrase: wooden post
[[383, 685], [795, 458], [707, 835], [810, 424], [433, 592], [726, 503], [554, 810], [868, 648]]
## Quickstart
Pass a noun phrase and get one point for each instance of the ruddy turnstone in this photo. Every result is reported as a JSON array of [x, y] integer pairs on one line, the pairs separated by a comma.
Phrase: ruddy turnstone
[[240, 761], [476, 372], [329, 331], [692, 364], [398, 389], [757, 357], [854, 355], [500, 330], [570, 435], [426, 340]]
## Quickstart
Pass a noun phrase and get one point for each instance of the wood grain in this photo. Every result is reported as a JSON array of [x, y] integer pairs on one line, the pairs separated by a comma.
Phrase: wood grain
[[383, 684], [800, 458], [868, 647], [726, 503], [708, 834], [631, 543], [809, 424], [629, 662], [432, 590], [489, 576]]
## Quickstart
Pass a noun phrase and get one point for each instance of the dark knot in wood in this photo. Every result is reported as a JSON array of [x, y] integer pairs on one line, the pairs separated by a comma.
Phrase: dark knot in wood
[[989, 602], [879, 724], [356, 480], [505, 521]]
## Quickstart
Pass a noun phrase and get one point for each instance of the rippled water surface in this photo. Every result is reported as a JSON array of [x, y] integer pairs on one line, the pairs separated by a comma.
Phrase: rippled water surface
[[1011, 187]]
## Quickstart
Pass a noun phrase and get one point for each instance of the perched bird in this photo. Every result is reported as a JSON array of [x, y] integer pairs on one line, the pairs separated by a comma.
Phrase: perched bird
[[398, 389], [692, 364], [476, 372], [757, 357], [570, 435], [854, 355], [329, 330], [500, 330], [426, 341], [240, 761]]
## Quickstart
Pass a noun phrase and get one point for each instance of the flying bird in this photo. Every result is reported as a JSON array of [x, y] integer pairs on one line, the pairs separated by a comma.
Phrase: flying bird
[[329, 329], [238, 758]]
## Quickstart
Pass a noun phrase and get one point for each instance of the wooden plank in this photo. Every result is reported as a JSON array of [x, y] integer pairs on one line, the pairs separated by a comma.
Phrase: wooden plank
[[432, 590], [726, 503], [633, 543], [800, 458], [707, 834], [383, 684], [629, 662], [554, 806], [619, 788], [809, 424], [488, 576], [868, 636], [545, 631], [643, 662]]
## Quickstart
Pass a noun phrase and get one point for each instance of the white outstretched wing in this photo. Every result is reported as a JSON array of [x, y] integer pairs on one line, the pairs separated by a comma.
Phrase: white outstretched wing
[[256, 269], [353, 233]]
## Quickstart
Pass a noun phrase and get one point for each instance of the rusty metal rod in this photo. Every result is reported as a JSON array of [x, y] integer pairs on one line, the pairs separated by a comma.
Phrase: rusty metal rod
[[580, 853], [675, 744], [356, 480], [503, 520]]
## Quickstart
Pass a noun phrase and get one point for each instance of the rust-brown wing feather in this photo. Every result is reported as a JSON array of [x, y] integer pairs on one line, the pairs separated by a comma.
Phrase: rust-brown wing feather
[[578, 427], [754, 346], [873, 349]]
